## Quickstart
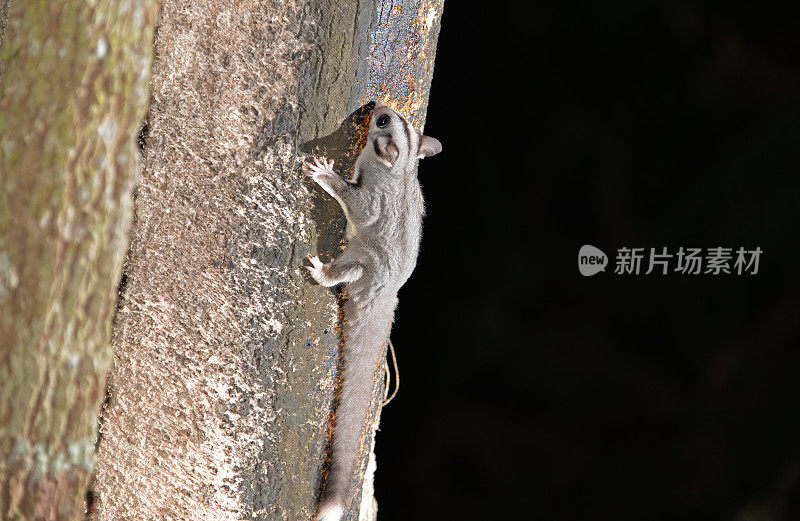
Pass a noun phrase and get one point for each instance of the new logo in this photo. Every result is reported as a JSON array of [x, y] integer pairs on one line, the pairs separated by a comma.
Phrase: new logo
[[591, 260]]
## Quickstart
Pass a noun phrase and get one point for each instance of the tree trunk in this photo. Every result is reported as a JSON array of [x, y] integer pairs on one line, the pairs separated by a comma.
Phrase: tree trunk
[[225, 351], [72, 94]]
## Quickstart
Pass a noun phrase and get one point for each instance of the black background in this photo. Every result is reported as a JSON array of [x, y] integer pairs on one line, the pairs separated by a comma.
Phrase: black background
[[529, 391]]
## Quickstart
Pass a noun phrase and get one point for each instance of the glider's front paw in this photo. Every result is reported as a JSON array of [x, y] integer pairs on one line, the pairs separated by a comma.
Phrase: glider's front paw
[[320, 170]]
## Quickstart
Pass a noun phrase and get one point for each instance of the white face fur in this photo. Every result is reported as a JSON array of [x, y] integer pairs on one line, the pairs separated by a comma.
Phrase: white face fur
[[395, 140]]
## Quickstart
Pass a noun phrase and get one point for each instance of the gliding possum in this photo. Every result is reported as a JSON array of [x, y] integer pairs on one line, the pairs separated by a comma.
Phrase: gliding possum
[[384, 209]]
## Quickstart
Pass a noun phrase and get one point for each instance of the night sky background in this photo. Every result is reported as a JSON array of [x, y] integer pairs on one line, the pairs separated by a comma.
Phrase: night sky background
[[532, 392]]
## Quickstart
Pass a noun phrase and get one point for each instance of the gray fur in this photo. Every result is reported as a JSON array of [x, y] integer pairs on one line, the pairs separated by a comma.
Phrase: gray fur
[[384, 209]]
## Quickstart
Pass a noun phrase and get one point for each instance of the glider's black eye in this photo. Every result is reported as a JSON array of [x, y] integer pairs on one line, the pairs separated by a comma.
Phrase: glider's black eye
[[383, 121]]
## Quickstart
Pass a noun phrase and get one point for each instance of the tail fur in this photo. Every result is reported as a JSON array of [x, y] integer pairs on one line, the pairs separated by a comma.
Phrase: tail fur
[[330, 512], [365, 333]]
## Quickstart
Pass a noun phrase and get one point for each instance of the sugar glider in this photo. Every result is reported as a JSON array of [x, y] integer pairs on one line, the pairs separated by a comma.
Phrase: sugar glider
[[384, 209]]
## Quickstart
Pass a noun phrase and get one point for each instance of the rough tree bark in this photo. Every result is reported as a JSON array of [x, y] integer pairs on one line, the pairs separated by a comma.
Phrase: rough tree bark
[[225, 351], [73, 92]]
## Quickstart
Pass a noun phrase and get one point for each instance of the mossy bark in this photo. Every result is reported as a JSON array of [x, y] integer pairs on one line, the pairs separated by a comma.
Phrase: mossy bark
[[225, 351], [73, 90]]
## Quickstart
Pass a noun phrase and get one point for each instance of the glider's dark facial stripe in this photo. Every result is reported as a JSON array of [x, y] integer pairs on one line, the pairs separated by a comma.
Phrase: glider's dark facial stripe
[[376, 147], [408, 136]]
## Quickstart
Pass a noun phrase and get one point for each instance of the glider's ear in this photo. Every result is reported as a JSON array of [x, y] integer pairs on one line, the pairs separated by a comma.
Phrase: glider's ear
[[428, 146]]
